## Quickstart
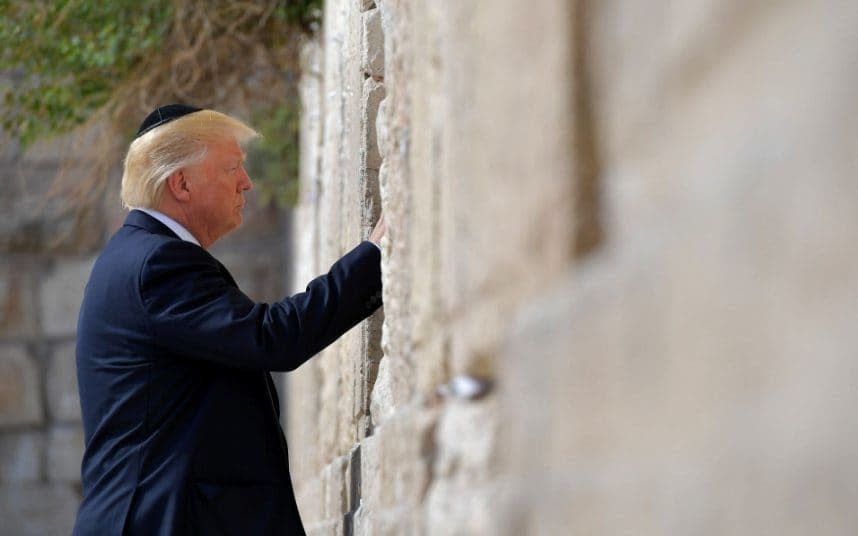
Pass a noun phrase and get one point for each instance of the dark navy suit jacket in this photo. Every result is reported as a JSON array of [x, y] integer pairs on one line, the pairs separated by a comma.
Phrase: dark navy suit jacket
[[180, 414]]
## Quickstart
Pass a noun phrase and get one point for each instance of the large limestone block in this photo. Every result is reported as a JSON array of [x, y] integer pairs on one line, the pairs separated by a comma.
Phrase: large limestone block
[[373, 93], [392, 389], [325, 528], [466, 439], [309, 494], [393, 522], [510, 225], [63, 395], [372, 44], [37, 217], [38, 509], [20, 391], [65, 452], [334, 481], [305, 264], [396, 461], [349, 367], [21, 457], [18, 308], [332, 389], [339, 222], [462, 498], [61, 294], [665, 404], [462, 507]]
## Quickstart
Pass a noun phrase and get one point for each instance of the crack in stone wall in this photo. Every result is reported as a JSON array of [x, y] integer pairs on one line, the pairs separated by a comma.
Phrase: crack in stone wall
[[589, 232]]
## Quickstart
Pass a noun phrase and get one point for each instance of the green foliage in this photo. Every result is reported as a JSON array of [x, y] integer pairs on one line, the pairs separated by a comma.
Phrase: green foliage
[[273, 160], [302, 13], [65, 59]]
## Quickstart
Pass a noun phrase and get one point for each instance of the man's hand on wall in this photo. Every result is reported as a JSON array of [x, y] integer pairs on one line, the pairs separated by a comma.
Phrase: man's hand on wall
[[378, 230]]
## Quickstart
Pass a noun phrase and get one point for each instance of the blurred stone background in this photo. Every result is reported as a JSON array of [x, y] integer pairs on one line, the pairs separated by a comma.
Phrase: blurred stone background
[[633, 224]]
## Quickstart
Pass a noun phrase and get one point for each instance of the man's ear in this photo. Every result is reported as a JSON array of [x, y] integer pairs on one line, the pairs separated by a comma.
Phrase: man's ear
[[177, 185]]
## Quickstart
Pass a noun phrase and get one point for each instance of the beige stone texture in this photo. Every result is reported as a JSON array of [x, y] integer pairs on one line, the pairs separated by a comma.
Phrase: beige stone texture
[[20, 394], [21, 457], [635, 222], [372, 45], [18, 310], [373, 94], [339, 204], [63, 396], [65, 452], [702, 358], [436, 321], [38, 509], [60, 295], [310, 498]]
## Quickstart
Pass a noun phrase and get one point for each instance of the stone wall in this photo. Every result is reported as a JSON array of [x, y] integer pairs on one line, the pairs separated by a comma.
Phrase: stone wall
[[46, 253], [44, 264], [631, 225]]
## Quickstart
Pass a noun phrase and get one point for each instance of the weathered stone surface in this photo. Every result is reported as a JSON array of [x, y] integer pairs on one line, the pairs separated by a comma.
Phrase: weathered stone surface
[[18, 311], [21, 457], [65, 452], [20, 391], [491, 182], [373, 93], [372, 45], [466, 439], [697, 357], [381, 128], [390, 391], [63, 396], [60, 295], [37, 218], [38, 509], [309, 494], [336, 493], [396, 461], [461, 507], [325, 528], [667, 190]]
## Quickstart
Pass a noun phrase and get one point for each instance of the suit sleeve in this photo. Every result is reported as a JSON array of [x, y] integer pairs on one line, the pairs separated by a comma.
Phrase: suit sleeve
[[195, 312]]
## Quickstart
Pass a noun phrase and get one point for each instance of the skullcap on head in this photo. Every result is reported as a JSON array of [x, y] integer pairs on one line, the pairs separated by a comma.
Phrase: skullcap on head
[[164, 114]]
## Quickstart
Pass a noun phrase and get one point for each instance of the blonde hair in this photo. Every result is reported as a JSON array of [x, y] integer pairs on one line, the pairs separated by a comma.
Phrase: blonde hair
[[157, 154]]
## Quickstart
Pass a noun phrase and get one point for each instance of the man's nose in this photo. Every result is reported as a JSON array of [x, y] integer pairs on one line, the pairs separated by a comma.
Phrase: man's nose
[[245, 183]]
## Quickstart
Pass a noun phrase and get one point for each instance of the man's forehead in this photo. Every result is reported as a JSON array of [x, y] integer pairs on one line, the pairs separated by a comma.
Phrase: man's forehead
[[228, 149]]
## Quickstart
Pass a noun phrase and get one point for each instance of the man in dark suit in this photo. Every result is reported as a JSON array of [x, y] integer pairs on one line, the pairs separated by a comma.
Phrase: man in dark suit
[[180, 415]]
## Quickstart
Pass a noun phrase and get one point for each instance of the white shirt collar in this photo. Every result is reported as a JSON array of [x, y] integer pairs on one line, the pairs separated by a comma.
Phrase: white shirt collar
[[174, 226]]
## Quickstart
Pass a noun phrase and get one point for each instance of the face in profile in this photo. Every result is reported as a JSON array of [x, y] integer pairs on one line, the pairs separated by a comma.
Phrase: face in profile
[[218, 184]]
